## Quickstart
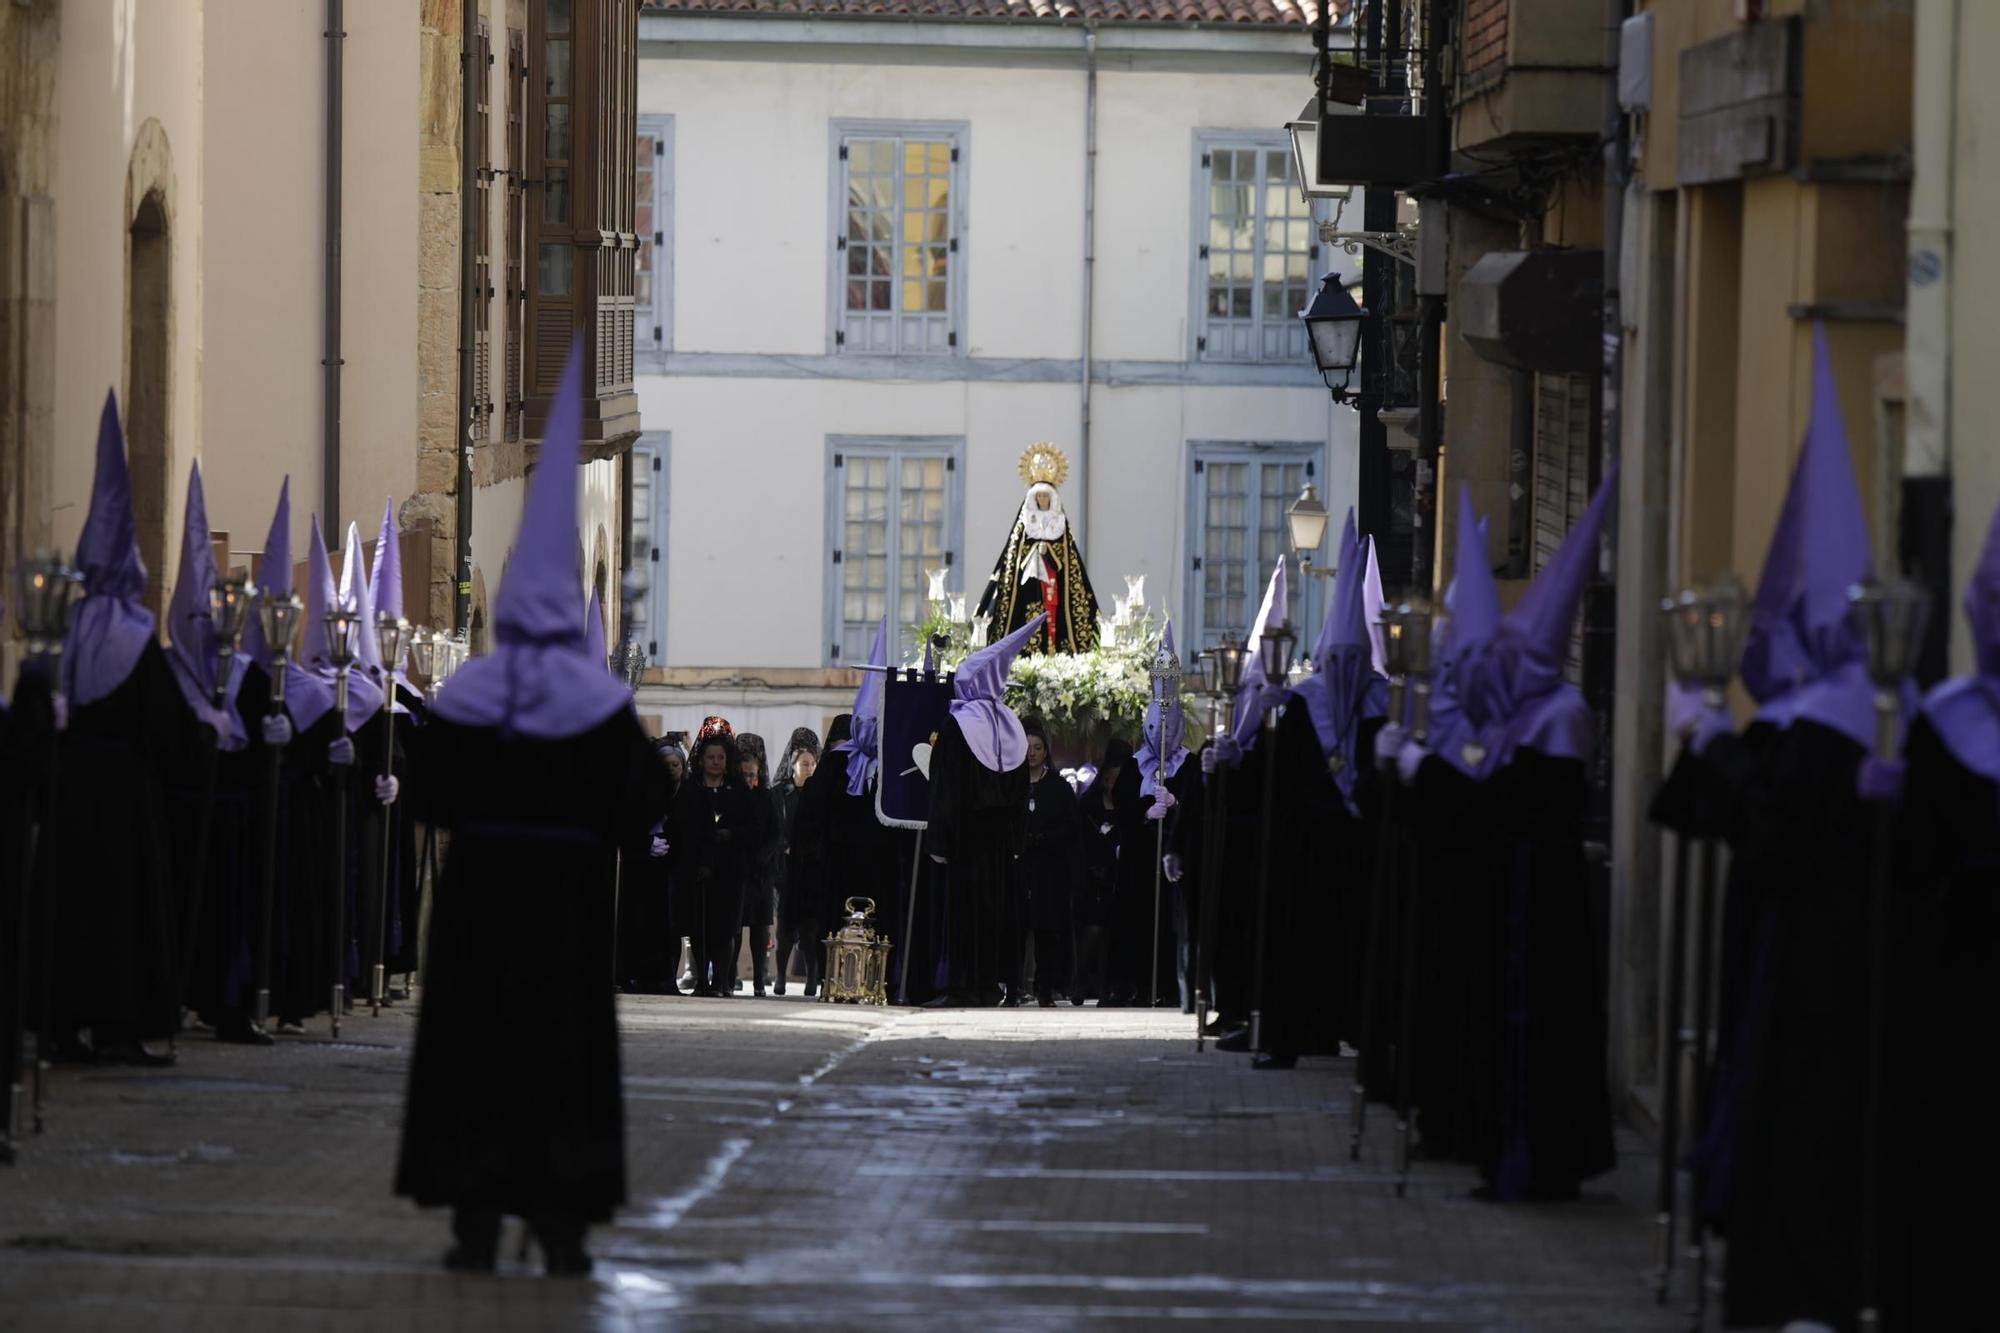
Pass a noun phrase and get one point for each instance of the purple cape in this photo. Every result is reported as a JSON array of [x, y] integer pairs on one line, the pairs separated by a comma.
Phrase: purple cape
[[538, 680], [110, 627]]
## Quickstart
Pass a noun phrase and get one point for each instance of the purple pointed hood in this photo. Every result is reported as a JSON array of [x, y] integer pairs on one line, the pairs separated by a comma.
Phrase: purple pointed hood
[[538, 680], [866, 726], [191, 642], [1519, 696], [1254, 695], [111, 626], [1344, 689], [355, 592], [315, 658], [1965, 710], [385, 592], [274, 574], [1802, 658], [992, 732], [1472, 605], [593, 632], [1158, 737]]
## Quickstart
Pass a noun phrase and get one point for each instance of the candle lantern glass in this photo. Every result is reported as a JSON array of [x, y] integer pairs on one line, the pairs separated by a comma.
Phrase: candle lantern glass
[[857, 959]]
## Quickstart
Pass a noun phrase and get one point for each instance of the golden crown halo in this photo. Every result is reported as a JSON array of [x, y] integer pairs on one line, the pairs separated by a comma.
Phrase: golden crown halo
[[1044, 463]]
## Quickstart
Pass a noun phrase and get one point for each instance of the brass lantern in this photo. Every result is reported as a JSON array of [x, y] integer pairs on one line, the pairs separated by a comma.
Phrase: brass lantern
[[857, 959]]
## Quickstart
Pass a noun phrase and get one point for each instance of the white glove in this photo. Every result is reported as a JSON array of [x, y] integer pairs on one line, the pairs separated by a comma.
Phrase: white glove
[[60, 706], [1172, 865], [1388, 745], [1222, 750], [939, 859], [658, 847], [341, 753], [1162, 802], [277, 730], [1408, 760], [386, 789]]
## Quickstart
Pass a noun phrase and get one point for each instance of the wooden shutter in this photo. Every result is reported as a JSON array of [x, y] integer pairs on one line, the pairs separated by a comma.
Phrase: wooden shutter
[[482, 259], [517, 170]]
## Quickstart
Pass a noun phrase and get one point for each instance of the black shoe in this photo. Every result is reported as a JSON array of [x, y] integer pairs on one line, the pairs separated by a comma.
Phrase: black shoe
[[778, 988], [135, 1053], [1234, 1040], [478, 1242], [1270, 1061], [563, 1254], [1046, 1002], [758, 992], [242, 1032]]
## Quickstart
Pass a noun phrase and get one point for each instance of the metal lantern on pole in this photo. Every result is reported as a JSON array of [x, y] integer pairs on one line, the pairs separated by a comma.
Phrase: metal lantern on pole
[[1890, 619], [229, 606], [1274, 655], [1306, 518], [391, 633], [424, 658], [45, 596], [280, 617], [341, 622], [1166, 674], [1396, 664]]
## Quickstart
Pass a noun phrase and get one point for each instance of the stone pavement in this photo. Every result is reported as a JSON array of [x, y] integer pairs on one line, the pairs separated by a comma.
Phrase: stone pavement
[[801, 1165]]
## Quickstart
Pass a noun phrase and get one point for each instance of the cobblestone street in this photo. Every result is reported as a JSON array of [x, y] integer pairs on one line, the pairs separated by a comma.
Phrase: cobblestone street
[[798, 1165]]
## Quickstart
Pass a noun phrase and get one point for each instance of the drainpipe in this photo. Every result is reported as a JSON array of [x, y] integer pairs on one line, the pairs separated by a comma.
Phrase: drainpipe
[[1089, 269], [468, 242], [330, 362], [1926, 471]]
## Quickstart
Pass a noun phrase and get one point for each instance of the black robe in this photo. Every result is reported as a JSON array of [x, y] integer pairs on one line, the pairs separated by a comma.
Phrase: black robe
[[1139, 891], [27, 749], [713, 835], [978, 820], [514, 1098], [111, 883], [1051, 868], [221, 987], [1946, 919], [302, 934], [1794, 1241], [1509, 1053], [1097, 825], [649, 937]]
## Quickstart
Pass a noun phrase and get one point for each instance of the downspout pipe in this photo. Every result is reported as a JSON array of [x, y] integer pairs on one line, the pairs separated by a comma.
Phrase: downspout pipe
[[330, 359], [1089, 270], [468, 242], [1925, 486]]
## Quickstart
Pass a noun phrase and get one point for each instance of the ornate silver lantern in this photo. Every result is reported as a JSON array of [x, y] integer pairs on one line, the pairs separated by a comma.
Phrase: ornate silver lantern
[[857, 959]]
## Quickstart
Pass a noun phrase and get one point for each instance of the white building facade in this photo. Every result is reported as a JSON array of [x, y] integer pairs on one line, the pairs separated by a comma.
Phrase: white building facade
[[888, 256]]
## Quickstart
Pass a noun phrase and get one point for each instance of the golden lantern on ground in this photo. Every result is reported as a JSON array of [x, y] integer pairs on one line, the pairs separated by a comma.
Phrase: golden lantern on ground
[[857, 959]]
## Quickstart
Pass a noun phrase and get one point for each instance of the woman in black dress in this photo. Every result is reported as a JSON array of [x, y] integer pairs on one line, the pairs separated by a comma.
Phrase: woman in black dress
[[798, 914], [713, 833]]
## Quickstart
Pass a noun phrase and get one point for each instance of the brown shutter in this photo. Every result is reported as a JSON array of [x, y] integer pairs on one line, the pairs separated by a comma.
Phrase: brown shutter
[[482, 258], [517, 164]]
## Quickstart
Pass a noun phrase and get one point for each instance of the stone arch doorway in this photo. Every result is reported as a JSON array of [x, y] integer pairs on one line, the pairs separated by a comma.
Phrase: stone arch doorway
[[149, 348]]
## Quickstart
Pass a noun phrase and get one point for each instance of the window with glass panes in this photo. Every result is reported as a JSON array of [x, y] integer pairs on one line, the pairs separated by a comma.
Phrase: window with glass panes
[[896, 244], [895, 515], [648, 541], [1239, 494], [1254, 254]]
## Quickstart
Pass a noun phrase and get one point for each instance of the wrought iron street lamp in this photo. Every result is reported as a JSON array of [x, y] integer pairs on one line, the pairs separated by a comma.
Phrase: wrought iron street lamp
[[1304, 132], [1333, 327], [1306, 517]]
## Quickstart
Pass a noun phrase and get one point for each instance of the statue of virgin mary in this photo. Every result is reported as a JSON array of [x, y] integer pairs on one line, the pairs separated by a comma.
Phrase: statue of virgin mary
[[1040, 571]]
